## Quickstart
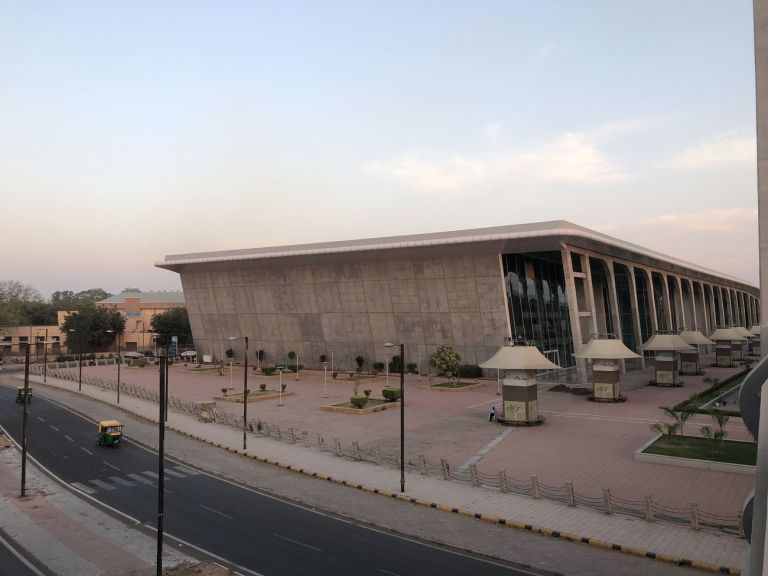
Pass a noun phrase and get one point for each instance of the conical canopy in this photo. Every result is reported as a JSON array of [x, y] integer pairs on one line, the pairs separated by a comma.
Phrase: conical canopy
[[605, 349], [728, 334], [518, 358], [743, 331], [755, 330], [694, 337], [666, 342]]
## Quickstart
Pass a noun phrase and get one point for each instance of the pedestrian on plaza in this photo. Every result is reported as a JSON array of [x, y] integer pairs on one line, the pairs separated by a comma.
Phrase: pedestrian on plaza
[[492, 415]]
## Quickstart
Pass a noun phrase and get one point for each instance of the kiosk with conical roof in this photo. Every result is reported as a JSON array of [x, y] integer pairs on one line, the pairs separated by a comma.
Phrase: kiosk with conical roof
[[690, 360], [605, 354], [727, 346], [666, 345], [744, 344], [520, 363]]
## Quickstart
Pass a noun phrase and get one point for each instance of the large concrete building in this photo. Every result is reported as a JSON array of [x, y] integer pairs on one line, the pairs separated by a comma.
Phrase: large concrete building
[[554, 283]]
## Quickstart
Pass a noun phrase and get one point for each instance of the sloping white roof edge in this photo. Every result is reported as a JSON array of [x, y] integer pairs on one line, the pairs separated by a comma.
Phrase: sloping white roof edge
[[501, 233]]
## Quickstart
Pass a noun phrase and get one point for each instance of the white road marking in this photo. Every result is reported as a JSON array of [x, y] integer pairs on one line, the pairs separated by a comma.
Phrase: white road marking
[[151, 474], [21, 558], [388, 572], [121, 481], [140, 478], [69, 438], [41, 420], [215, 511], [101, 484], [484, 403], [84, 449], [170, 472], [296, 542], [54, 427], [83, 488], [485, 449], [187, 471], [111, 465]]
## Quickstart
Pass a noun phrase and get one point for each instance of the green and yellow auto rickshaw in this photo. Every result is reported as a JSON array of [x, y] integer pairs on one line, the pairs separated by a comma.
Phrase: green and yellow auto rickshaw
[[110, 433], [20, 395]]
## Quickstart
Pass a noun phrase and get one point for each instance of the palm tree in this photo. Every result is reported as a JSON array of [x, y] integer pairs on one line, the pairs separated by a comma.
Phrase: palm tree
[[666, 429], [679, 416]]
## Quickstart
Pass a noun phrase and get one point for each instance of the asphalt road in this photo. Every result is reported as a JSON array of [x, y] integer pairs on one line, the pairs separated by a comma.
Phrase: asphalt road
[[253, 531], [10, 563]]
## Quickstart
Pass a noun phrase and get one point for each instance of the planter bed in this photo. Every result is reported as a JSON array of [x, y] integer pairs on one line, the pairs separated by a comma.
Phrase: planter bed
[[450, 387], [374, 405], [253, 396]]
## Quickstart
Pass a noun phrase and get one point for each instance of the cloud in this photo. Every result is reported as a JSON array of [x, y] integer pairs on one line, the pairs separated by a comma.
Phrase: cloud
[[726, 220], [573, 157], [544, 53], [720, 151]]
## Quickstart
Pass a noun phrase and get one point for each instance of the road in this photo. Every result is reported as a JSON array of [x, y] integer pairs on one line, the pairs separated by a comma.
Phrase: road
[[12, 560], [252, 531]]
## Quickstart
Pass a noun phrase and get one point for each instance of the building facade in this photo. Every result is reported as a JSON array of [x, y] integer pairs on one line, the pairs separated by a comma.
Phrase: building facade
[[553, 283]]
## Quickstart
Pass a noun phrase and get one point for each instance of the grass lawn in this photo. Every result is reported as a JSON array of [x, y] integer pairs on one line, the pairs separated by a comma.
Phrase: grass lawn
[[371, 402], [459, 384], [705, 449], [695, 403]]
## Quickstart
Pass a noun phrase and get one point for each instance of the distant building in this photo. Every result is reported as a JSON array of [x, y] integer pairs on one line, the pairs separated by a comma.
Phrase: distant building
[[553, 283], [138, 309], [15, 339]]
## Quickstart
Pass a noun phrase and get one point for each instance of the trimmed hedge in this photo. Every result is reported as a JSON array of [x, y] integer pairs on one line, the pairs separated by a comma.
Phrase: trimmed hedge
[[359, 401], [391, 394], [470, 371]]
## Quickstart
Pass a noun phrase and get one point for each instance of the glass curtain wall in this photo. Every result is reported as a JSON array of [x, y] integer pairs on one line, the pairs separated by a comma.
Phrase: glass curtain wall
[[624, 297], [643, 308], [600, 282], [660, 301], [538, 306]]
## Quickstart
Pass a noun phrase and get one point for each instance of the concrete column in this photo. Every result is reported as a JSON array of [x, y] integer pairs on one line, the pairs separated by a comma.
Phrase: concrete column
[[715, 318], [679, 304], [706, 323], [614, 302], [573, 310], [591, 294], [665, 289], [635, 311]]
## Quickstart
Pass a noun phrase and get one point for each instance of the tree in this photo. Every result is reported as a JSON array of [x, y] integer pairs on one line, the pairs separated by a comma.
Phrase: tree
[[446, 360], [666, 429], [131, 289], [679, 416], [69, 300], [359, 360], [87, 329], [173, 322], [14, 298]]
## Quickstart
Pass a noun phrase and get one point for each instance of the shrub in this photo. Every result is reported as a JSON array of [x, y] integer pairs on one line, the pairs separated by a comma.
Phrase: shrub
[[283, 387], [411, 368], [229, 353], [446, 360], [391, 394], [91, 356], [359, 360], [359, 401], [291, 355], [394, 364], [262, 386], [367, 393], [323, 358], [377, 366], [334, 375], [470, 371], [268, 370]]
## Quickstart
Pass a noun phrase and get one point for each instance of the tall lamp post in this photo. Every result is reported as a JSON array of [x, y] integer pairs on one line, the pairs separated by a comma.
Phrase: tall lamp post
[[45, 355], [402, 412], [119, 361], [245, 386]]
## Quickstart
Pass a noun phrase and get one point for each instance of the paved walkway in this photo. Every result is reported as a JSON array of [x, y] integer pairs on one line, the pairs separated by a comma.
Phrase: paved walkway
[[709, 550], [64, 534]]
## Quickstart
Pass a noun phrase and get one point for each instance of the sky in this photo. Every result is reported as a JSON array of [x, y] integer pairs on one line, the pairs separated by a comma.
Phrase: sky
[[132, 130]]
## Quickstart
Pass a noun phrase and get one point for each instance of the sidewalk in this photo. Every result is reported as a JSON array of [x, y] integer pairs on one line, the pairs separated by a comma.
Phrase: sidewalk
[[712, 551], [66, 534]]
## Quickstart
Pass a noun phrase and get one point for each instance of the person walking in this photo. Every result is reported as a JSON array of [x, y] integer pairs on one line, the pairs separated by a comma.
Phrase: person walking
[[492, 415]]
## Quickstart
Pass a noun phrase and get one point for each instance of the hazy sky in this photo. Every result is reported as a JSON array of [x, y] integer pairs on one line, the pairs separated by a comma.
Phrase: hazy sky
[[131, 130]]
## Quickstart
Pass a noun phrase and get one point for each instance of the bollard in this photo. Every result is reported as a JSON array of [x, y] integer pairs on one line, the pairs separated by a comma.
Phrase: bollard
[[279, 432], [292, 435], [338, 447], [607, 500], [695, 517], [423, 465], [321, 442], [742, 533], [569, 492], [503, 481], [473, 474], [445, 469], [649, 509], [306, 438], [356, 450], [377, 454], [535, 486]]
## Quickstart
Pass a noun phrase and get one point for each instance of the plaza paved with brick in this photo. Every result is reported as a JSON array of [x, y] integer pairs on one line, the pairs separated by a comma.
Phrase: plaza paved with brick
[[586, 443]]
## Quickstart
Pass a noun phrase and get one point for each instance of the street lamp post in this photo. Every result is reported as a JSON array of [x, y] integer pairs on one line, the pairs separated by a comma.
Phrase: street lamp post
[[297, 367], [245, 386], [402, 412], [280, 388], [325, 379], [45, 356], [418, 360], [331, 361]]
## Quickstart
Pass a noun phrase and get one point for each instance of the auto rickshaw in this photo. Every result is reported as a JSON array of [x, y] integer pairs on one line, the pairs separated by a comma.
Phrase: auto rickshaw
[[110, 433], [20, 395]]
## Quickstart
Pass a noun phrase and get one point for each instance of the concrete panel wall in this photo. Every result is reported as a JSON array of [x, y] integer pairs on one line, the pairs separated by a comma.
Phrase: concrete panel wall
[[349, 308]]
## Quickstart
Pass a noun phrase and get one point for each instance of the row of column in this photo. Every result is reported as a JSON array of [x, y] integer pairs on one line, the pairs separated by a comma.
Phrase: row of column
[[672, 301]]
